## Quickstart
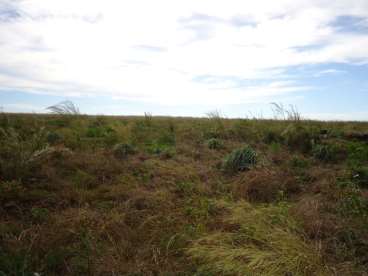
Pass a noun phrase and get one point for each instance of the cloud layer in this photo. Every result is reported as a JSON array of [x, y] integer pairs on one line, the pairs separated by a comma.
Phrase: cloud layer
[[175, 52]]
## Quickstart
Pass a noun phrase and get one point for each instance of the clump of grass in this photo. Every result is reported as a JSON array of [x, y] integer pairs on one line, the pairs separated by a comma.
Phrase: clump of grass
[[257, 241], [122, 150], [214, 143], [240, 160]]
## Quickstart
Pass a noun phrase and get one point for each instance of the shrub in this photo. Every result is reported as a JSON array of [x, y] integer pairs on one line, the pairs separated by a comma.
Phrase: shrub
[[240, 160], [53, 138], [214, 143], [360, 176], [122, 150], [351, 202], [18, 154], [329, 152], [271, 136], [357, 153], [298, 137], [257, 241]]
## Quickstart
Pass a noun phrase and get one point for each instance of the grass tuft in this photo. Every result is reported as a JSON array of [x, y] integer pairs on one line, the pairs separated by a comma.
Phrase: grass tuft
[[240, 160], [257, 241]]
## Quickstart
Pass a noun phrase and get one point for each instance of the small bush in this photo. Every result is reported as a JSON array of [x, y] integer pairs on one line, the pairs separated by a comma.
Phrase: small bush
[[357, 153], [271, 136], [360, 176], [122, 150], [214, 143], [298, 137], [299, 163], [351, 202], [18, 152], [240, 160], [53, 138], [329, 152]]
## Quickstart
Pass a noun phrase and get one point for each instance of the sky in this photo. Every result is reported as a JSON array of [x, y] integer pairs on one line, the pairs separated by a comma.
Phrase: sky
[[186, 58]]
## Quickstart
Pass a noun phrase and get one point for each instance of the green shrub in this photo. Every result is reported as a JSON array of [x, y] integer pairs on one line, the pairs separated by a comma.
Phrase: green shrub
[[18, 153], [360, 176], [351, 202], [122, 150], [214, 143], [271, 136], [298, 137], [240, 160], [53, 138], [328, 152], [299, 163], [357, 153], [257, 241]]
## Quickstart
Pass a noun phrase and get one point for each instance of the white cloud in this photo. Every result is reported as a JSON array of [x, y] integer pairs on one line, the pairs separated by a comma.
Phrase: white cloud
[[154, 50]]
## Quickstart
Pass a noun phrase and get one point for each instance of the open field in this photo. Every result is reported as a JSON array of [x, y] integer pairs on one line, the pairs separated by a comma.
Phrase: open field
[[95, 195]]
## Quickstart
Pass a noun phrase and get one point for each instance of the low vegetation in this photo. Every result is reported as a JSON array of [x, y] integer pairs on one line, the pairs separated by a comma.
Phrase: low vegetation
[[99, 195]]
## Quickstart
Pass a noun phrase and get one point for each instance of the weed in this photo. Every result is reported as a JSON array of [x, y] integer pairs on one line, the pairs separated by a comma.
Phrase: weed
[[329, 152], [123, 150], [351, 200], [214, 143], [240, 160], [360, 176], [18, 154], [298, 137], [357, 153], [53, 138]]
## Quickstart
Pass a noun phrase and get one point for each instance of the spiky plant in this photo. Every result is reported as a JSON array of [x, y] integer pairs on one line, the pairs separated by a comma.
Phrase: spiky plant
[[240, 160]]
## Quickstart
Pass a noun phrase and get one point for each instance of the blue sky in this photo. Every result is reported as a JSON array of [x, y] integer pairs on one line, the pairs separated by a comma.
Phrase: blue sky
[[185, 58]]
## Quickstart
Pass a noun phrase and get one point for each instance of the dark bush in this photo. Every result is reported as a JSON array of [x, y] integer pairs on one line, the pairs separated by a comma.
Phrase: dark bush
[[53, 138], [240, 160], [326, 153], [122, 150], [298, 138]]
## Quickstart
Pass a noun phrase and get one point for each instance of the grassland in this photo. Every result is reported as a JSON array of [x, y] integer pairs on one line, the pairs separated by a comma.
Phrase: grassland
[[97, 195]]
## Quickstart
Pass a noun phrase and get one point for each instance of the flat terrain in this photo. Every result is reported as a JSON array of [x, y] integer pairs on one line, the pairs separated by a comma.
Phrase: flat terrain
[[95, 195]]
